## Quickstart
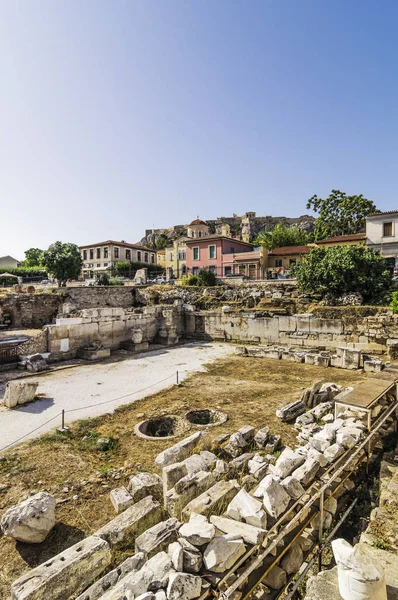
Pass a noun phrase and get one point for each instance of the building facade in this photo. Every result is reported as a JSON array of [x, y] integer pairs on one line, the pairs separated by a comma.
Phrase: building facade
[[281, 260], [8, 262], [103, 256], [176, 262], [353, 239], [382, 235], [198, 229], [215, 253]]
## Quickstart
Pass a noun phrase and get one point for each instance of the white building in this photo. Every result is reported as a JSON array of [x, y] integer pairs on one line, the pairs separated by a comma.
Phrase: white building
[[8, 261], [382, 234]]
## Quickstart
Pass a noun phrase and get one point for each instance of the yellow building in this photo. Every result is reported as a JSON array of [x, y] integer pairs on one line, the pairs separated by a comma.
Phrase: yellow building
[[280, 260], [161, 258], [175, 259]]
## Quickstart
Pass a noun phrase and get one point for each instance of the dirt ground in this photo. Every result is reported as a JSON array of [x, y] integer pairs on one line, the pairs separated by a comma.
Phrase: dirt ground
[[71, 467]]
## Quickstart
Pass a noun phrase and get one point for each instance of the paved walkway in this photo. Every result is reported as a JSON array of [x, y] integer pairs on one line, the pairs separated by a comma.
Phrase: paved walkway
[[111, 383]]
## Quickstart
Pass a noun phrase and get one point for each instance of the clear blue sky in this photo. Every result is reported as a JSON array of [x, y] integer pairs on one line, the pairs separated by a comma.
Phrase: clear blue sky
[[118, 115]]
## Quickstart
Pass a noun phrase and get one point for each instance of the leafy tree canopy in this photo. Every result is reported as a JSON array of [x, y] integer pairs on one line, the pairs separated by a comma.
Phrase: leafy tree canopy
[[63, 261], [282, 235], [33, 257], [343, 269], [340, 214], [162, 242]]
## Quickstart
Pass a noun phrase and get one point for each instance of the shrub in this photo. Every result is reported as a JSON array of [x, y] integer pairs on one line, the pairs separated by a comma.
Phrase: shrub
[[25, 271], [394, 302], [103, 279], [343, 269], [206, 278], [115, 281]]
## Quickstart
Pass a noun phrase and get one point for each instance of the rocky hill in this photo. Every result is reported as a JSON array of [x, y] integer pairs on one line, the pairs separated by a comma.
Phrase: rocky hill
[[249, 224]]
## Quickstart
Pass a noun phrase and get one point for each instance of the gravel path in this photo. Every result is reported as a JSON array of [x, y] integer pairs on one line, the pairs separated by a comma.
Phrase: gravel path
[[112, 383]]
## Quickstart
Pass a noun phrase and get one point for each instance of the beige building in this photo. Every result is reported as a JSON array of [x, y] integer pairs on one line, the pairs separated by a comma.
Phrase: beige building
[[8, 261], [175, 259], [198, 229], [161, 258], [103, 256], [280, 260]]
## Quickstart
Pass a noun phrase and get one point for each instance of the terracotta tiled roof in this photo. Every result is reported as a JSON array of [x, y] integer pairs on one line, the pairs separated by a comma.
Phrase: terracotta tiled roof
[[386, 212], [204, 238], [118, 244], [343, 238], [290, 250]]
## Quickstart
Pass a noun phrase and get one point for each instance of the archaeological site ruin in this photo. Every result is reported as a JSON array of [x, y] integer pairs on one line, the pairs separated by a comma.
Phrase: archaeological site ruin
[[270, 474]]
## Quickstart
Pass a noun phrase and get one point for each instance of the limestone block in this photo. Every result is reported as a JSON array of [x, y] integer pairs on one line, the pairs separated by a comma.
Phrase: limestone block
[[306, 473], [291, 411], [171, 474], [292, 487], [257, 466], [236, 445], [36, 364], [287, 462], [192, 557], [130, 523], [156, 569], [158, 537], [319, 444], [210, 501], [30, 521], [333, 452], [345, 439], [145, 484], [247, 431], [249, 533], [121, 499], [275, 498], [183, 585], [19, 392], [98, 589], [223, 552], [204, 461], [331, 505], [276, 578], [66, 573], [179, 451], [240, 463], [293, 559], [190, 486], [176, 556], [246, 508], [198, 531], [261, 437]]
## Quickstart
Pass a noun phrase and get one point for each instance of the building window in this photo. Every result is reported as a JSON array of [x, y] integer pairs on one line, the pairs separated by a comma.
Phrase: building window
[[139, 256], [292, 261], [227, 271], [153, 259], [232, 250], [170, 256], [98, 252], [184, 269], [105, 264], [181, 255], [387, 229], [98, 265], [146, 257], [84, 254], [116, 252], [212, 269], [212, 252], [91, 254], [105, 252], [195, 253], [195, 270], [128, 254], [199, 234], [278, 262]]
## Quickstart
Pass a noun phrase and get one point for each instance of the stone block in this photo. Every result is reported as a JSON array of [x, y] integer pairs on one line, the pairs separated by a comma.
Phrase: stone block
[[219, 495], [223, 552], [179, 451], [132, 522], [276, 578], [121, 499], [183, 586], [65, 574], [98, 589], [157, 538], [198, 531], [245, 508], [19, 392], [30, 521], [287, 462], [291, 411], [93, 353], [145, 484], [190, 486], [249, 533], [171, 474]]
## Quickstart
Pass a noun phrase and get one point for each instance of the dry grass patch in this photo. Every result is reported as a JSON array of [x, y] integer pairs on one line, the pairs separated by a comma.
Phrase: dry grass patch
[[81, 476]]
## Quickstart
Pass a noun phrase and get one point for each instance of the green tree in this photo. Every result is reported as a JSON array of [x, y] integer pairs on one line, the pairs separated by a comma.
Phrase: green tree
[[162, 242], [342, 269], [63, 261], [340, 214], [206, 278], [283, 235], [33, 257]]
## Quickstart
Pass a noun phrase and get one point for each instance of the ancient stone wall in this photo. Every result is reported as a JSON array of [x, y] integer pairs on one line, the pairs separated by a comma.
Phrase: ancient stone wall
[[371, 334], [30, 311], [79, 298], [34, 345]]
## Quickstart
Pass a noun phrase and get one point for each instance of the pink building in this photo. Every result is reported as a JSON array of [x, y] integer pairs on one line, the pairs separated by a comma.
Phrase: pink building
[[224, 256]]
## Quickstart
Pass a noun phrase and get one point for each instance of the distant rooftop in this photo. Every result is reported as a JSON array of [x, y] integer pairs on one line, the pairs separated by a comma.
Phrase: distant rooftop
[[343, 238], [118, 243], [290, 250]]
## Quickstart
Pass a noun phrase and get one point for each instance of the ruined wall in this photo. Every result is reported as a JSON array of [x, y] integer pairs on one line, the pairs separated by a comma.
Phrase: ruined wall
[[112, 326], [30, 311], [373, 334], [36, 344], [78, 298]]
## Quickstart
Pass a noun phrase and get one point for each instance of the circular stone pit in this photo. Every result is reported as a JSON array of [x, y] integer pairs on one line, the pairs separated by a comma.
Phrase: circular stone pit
[[205, 417], [161, 427]]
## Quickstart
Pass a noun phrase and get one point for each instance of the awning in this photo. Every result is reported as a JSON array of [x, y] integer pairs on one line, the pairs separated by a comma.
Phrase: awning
[[7, 275]]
